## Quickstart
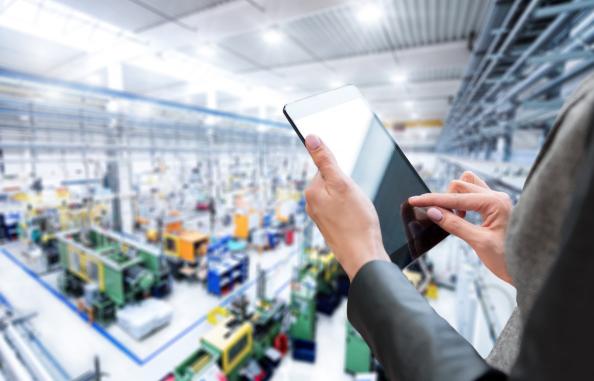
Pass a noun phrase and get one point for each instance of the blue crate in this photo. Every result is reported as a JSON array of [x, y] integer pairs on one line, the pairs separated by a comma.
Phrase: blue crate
[[304, 350]]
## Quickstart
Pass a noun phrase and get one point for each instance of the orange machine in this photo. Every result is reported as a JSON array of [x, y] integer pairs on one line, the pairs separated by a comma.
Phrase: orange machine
[[182, 244], [185, 245]]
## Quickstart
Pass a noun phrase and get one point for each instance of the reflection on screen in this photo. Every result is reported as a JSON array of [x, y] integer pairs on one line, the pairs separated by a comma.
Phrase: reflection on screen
[[365, 151]]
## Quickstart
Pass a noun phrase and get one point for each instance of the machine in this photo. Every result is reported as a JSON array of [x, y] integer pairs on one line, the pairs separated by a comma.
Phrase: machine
[[241, 346], [358, 358], [121, 270]]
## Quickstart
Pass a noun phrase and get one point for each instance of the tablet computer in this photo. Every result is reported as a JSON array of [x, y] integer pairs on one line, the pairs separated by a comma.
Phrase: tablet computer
[[366, 151]]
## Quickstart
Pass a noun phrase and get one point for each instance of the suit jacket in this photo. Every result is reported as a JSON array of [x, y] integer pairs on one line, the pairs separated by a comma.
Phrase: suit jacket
[[414, 343]]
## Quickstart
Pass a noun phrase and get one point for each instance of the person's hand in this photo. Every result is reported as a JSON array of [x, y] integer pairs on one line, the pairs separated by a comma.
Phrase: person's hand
[[471, 193], [345, 216]]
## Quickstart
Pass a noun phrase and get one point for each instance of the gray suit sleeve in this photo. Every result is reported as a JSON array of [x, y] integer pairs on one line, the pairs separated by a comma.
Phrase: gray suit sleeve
[[405, 334]]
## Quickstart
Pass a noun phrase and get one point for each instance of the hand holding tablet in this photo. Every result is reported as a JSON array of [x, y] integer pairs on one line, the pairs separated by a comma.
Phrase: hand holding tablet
[[364, 151]]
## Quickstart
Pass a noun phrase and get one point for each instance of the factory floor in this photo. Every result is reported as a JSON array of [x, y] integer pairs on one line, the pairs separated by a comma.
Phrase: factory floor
[[74, 342]]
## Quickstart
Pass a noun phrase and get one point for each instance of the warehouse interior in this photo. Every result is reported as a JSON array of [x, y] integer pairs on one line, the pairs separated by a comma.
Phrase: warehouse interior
[[152, 210]]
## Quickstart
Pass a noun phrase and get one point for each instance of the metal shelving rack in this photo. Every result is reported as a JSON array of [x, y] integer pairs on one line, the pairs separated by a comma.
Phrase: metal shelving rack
[[526, 52]]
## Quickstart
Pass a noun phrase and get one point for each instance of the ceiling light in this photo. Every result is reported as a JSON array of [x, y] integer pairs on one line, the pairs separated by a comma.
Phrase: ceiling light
[[398, 78], [94, 79], [336, 83], [272, 36], [53, 94], [206, 51], [409, 104], [369, 14]]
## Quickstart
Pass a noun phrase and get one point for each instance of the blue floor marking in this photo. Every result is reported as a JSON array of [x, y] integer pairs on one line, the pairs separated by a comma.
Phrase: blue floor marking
[[131, 355], [5, 301]]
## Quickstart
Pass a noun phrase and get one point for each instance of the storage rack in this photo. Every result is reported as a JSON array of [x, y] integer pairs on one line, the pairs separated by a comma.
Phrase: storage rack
[[528, 50]]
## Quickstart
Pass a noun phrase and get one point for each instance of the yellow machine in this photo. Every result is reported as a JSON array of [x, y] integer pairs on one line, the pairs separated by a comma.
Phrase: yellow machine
[[234, 343]]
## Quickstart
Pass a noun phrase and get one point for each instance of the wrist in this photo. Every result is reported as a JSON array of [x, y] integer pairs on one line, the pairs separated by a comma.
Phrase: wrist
[[359, 260]]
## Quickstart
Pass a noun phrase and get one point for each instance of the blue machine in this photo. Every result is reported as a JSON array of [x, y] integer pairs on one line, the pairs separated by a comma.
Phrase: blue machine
[[227, 265]]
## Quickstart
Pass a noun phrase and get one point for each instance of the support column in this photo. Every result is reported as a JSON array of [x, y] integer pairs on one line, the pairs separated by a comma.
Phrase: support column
[[212, 103], [119, 176]]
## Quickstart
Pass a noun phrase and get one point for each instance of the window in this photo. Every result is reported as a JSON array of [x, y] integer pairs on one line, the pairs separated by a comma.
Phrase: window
[[74, 261], [93, 271], [236, 349], [170, 244]]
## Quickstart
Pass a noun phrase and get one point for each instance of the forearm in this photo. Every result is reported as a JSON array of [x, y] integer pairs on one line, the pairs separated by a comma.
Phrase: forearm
[[408, 338]]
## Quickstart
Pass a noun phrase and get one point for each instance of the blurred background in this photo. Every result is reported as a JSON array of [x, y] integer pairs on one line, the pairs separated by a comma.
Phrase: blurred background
[[152, 220]]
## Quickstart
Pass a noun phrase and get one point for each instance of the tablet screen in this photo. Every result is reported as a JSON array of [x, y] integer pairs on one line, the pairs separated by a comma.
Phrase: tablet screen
[[365, 151]]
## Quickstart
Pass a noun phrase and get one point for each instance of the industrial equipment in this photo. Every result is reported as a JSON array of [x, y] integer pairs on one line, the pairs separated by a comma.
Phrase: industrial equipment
[[37, 229], [323, 267], [245, 344], [226, 268], [240, 346], [303, 311], [24, 357], [122, 270], [358, 358]]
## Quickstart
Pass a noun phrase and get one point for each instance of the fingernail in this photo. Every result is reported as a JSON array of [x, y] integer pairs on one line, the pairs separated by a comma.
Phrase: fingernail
[[435, 214], [312, 142], [413, 198]]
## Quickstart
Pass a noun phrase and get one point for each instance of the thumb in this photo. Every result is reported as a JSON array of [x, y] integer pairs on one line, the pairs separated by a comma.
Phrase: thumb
[[322, 157], [453, 224]]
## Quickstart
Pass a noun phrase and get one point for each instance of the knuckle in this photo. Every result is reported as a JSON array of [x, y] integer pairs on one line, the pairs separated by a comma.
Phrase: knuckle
[[323, 159], [504, 200], [310, 195], [467, 175], [453, 187]]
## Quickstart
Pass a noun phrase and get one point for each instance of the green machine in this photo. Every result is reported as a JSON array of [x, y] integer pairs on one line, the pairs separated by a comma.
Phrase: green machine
[[358, 358], [303, 309], [119, 269]]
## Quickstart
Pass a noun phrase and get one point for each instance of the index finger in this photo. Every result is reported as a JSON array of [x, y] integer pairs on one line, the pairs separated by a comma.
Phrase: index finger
[[458, 201]]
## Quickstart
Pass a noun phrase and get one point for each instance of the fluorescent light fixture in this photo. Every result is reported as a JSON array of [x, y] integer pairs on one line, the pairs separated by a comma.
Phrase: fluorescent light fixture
[[409, 104], [272, 36], [399, 78], [262, 128], [94, 79], [53, 94], [369, 14], [336, 83], [207, 51]]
